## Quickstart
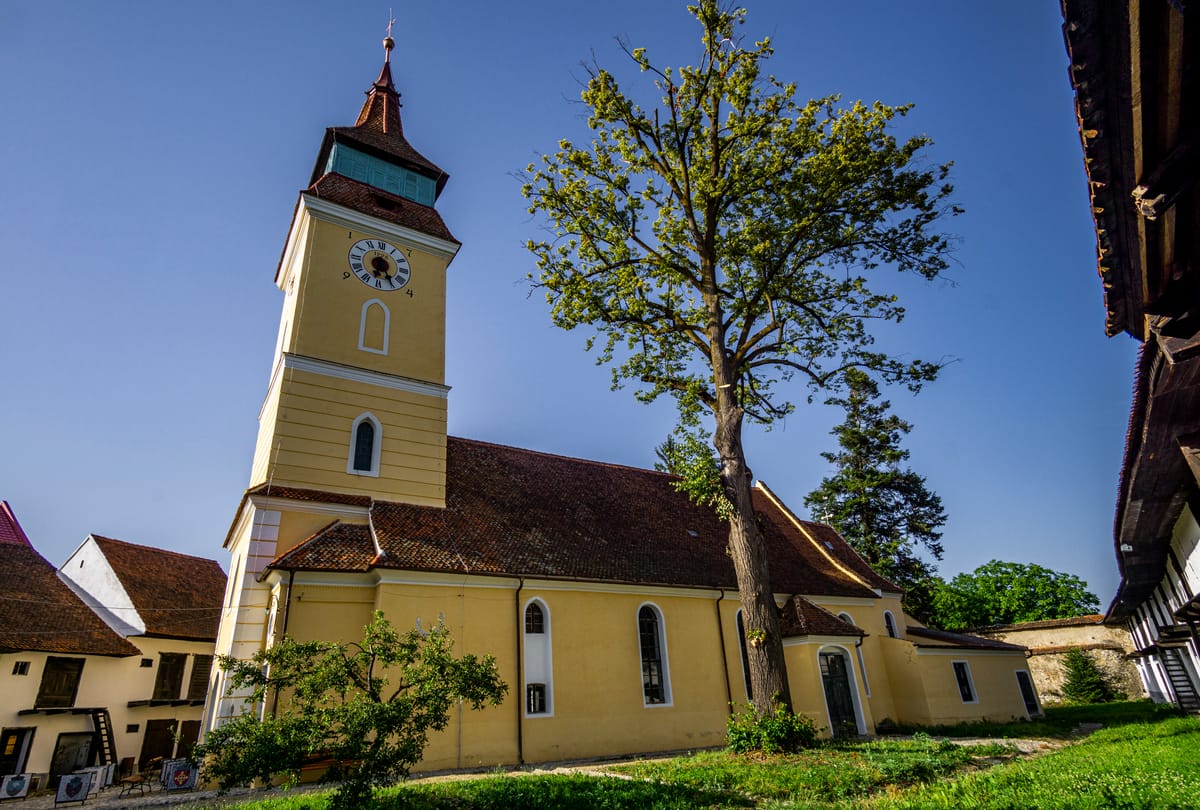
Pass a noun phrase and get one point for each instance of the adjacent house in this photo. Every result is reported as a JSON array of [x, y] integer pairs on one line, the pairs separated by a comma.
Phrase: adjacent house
[[606, 595], [105, 661], [1134, 69]]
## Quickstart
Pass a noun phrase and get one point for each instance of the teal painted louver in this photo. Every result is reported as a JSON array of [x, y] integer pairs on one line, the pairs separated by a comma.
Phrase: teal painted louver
[[380, 174]]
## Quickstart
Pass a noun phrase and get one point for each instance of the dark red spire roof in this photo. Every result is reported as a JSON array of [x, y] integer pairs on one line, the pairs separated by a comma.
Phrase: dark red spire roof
[[381, 110], [10, 528]]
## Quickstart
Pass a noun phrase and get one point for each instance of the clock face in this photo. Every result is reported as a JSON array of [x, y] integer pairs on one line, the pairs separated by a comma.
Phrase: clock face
[[379, 265]]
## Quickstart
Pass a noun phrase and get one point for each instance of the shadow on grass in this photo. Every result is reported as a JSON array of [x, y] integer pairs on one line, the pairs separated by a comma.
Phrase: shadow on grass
[[565, 792], [1059, 721]]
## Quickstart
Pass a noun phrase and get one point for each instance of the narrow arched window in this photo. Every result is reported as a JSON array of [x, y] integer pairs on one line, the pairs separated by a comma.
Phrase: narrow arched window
[[656, 688], [539, 668], [364, 446], [366, 437], [535, 620], [741, 634], [889, 622]]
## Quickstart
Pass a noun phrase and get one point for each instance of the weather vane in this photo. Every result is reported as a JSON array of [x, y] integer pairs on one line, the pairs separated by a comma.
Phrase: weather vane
[[388, 42]]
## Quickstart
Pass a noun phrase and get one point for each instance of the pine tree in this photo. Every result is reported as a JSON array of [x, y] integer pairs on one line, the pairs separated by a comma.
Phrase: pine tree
[[1084, 681], [886, 513]]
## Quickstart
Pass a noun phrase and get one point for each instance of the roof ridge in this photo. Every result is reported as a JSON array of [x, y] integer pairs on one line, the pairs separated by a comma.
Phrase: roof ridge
[[546, 454], [101, 537]]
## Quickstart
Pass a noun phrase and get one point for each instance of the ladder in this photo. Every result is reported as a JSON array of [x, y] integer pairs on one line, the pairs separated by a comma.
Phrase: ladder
[[1181, 682], [102, 722]]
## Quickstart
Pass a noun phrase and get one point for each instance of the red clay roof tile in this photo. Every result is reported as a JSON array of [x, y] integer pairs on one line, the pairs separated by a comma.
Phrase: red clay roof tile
[[800, 617], [176, 595], [37, 609], [338, 188], [522, 513]]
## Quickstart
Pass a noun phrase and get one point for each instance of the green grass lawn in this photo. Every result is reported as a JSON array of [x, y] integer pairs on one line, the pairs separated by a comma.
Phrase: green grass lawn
[[1145, 757]]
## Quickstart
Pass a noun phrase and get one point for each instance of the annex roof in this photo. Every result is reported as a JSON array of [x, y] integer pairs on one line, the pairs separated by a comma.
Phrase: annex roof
[[515, 512], [944, 638], [800, 617], [176, 595], [38, 612]]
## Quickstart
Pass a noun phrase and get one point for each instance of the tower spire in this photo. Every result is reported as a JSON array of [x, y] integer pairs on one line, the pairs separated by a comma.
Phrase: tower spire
[[381, 110]]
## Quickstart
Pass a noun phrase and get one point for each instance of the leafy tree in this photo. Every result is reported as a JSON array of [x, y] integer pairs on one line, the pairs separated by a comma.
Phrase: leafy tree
[[886, 513], [719, 242], [1084, 681], [338, 700], [1008, 593]]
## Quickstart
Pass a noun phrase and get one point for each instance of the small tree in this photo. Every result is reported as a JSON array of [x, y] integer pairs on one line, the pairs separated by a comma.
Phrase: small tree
[[886, 513], [368, 705], [720, 243], [1084, 681]]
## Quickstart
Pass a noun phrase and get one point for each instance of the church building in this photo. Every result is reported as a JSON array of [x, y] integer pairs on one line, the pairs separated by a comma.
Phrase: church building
[[606, 596]]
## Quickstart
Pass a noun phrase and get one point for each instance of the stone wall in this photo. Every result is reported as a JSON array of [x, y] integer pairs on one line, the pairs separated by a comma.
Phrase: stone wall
[[1048, 641]]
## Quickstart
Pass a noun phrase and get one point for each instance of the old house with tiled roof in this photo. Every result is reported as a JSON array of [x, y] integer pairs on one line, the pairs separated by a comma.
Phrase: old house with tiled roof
[[104, 660], [1134, 70], [606, 596]]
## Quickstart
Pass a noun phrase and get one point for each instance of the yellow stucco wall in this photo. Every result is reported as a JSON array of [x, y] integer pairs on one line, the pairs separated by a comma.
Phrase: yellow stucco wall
[[329, 305], [997, 694], [105, 682]]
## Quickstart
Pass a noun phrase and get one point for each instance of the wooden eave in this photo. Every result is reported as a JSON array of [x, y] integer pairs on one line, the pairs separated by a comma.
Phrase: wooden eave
[[1133, 67], [1162, 465]]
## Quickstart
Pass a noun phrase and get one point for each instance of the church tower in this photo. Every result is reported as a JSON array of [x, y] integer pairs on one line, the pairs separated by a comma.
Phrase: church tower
[[357, 398], [355, 410]]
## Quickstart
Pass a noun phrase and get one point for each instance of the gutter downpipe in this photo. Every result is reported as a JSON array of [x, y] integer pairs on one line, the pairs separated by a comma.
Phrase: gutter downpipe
[[724, 656], [520, 697]]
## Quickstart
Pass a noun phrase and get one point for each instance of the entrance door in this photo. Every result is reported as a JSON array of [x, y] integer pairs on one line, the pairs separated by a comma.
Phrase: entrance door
[[838, 698], [159, 741], [71, 752], [14, 749]]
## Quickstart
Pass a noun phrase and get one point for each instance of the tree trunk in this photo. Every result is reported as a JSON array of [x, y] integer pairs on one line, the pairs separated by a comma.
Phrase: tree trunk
[[764, 644]]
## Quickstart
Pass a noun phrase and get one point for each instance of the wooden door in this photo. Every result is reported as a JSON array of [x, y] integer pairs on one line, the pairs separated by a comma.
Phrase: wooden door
[[838, 697]]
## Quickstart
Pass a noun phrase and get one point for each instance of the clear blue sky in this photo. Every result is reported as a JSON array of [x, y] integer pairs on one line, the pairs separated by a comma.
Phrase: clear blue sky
[[153, 154]]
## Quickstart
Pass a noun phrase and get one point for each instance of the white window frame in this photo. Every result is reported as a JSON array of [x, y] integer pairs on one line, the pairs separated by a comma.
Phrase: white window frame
[[1037, 699], [970, 679], [362, 326], [375, 451], [664, 657], [542, 639], [855, 699]]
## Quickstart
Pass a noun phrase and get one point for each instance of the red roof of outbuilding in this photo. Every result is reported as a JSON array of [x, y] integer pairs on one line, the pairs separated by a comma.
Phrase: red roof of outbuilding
[[38, 612], [176, 595]]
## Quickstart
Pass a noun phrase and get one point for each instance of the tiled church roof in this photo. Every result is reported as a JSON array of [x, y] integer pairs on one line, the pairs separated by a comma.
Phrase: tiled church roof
[[514, 512], [38, 612], [176, 595]]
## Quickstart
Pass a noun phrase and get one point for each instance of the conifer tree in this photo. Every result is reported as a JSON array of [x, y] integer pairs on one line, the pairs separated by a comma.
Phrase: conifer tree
[[885, 512], [1084, 681]]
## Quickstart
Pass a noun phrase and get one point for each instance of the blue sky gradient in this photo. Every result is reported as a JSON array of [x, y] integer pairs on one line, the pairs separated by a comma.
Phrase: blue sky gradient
[[154, 154]]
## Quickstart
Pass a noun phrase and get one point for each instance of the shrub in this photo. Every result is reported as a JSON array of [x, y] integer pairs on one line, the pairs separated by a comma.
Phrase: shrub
[[775, 733], [1085, 681]]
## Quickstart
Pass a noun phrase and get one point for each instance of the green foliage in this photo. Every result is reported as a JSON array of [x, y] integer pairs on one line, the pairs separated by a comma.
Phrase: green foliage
[[779, 732], [1134, 766], [885, 512], [688, 453], [369, 706], [1008, 593], [1084, 682], [719, 237], [731, 225]]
